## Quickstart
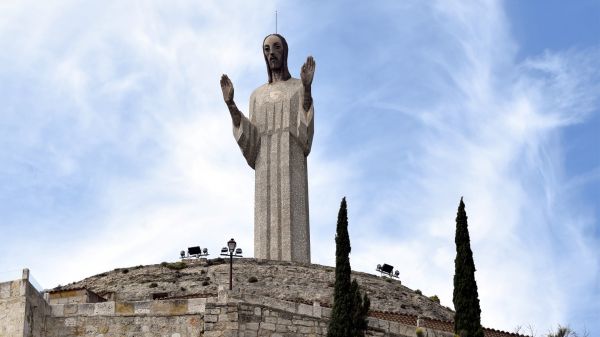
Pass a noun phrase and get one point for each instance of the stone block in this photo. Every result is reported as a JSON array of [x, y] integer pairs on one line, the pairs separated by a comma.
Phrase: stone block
[[70, 309], [301, 322], [306, 329], [326, 312], [176, 307], [142, 308], [284, 321], [373, 322], [211, 318], [317, 310], [86, 309], [252, 326], [304, 309], [124, 308], [281, 328], [196, 305], [250, 333], [267, 326], [257, 311], [271, 320], [104, 309], [70, 322], [58, 310]]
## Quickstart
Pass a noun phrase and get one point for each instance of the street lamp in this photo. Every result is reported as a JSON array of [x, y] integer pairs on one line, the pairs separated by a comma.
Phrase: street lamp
[[231, 252]]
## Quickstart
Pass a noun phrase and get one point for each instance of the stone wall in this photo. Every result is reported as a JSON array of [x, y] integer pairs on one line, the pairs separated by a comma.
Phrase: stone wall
[[225, 316], [36, 312], [12, 309], [172, 318]]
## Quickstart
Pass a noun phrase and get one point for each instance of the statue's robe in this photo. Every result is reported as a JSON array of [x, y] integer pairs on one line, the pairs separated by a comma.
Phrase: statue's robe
[[275, 140]]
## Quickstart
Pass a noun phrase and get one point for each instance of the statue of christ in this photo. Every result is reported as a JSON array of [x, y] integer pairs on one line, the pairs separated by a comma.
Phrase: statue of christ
[[275, 140]]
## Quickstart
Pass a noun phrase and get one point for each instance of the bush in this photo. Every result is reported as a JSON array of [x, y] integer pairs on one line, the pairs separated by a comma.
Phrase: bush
[[418, 292], [435, 298], [175, 265], [125, 271], [420, 332], [153, 285], [205, 283], [252, 279]]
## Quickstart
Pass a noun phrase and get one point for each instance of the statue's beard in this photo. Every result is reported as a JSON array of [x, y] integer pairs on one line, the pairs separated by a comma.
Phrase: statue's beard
[[275, 65]]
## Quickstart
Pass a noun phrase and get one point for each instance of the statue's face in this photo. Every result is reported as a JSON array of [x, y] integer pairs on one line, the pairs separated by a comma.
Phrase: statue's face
[[273, 50]]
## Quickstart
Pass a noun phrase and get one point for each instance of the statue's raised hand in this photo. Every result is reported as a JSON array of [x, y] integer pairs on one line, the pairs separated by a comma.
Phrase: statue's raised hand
[[307, 72], [227, 89]]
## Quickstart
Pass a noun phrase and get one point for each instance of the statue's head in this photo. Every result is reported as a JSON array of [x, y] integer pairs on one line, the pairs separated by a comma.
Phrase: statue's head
[[275, 51]]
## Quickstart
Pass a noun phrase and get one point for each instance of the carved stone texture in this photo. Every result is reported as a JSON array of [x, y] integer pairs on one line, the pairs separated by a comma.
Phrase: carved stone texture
[[275, 140]]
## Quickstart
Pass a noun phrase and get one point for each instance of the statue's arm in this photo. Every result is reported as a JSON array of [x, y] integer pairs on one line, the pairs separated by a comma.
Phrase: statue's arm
[[227, 89], [306, 75]]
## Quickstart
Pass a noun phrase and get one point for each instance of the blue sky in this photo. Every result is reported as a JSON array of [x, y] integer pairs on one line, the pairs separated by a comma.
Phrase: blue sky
[[116, 148]]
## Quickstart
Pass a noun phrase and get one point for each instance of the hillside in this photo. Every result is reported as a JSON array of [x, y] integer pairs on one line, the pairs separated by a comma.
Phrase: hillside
[[282, 280]]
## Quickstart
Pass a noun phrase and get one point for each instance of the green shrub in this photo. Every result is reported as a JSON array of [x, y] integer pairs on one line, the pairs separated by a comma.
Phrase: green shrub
[[125, 271], [205, 283], [435, 298], [153, 285], [175, 265], [252, 279], [418, 292], [420, 332]]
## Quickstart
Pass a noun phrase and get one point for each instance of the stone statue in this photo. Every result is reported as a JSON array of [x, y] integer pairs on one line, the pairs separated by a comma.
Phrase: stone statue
[[275, 140]]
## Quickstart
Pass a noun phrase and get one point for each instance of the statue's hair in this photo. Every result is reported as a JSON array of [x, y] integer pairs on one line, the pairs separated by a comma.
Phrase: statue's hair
[[286, 72]]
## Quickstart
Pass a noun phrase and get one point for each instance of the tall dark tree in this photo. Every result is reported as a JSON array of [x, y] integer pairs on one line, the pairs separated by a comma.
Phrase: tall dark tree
[[467, 317], [349, 312]]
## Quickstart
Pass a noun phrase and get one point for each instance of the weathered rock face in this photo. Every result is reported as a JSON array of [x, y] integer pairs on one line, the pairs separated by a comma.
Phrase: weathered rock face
[[281, 280]]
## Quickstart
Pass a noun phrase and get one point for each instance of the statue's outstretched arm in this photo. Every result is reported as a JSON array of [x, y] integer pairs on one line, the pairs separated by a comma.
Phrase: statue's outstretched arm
[[227, 89], [306, 75]]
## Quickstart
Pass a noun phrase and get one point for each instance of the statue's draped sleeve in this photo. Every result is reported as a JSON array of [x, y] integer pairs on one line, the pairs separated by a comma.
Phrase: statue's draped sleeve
[[247, 136], [306, 126]]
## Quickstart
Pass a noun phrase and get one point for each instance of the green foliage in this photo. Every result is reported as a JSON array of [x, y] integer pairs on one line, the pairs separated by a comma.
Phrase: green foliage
[[252, 279], [467, 317], [350, 309], [125, 271], [205, 283], [435, 298], [419, 332], [153, 285], [418, 291], [175, 265]]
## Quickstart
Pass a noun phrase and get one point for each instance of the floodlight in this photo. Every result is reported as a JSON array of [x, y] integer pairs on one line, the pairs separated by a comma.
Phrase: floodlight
[[397, 273], [386, 268], [182, 253], [194, 250], [205, 251], [224, 250], [238, 251], [378, 267]]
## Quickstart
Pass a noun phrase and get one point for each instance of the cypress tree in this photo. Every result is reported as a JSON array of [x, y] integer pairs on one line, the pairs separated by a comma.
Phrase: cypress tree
[[349, 312], [467, 316]]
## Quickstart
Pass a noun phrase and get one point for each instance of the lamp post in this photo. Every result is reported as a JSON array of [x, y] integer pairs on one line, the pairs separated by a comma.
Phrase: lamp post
[[232, 252]]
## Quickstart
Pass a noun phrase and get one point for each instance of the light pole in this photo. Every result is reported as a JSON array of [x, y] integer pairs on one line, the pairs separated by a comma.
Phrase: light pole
[[229, 250]]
